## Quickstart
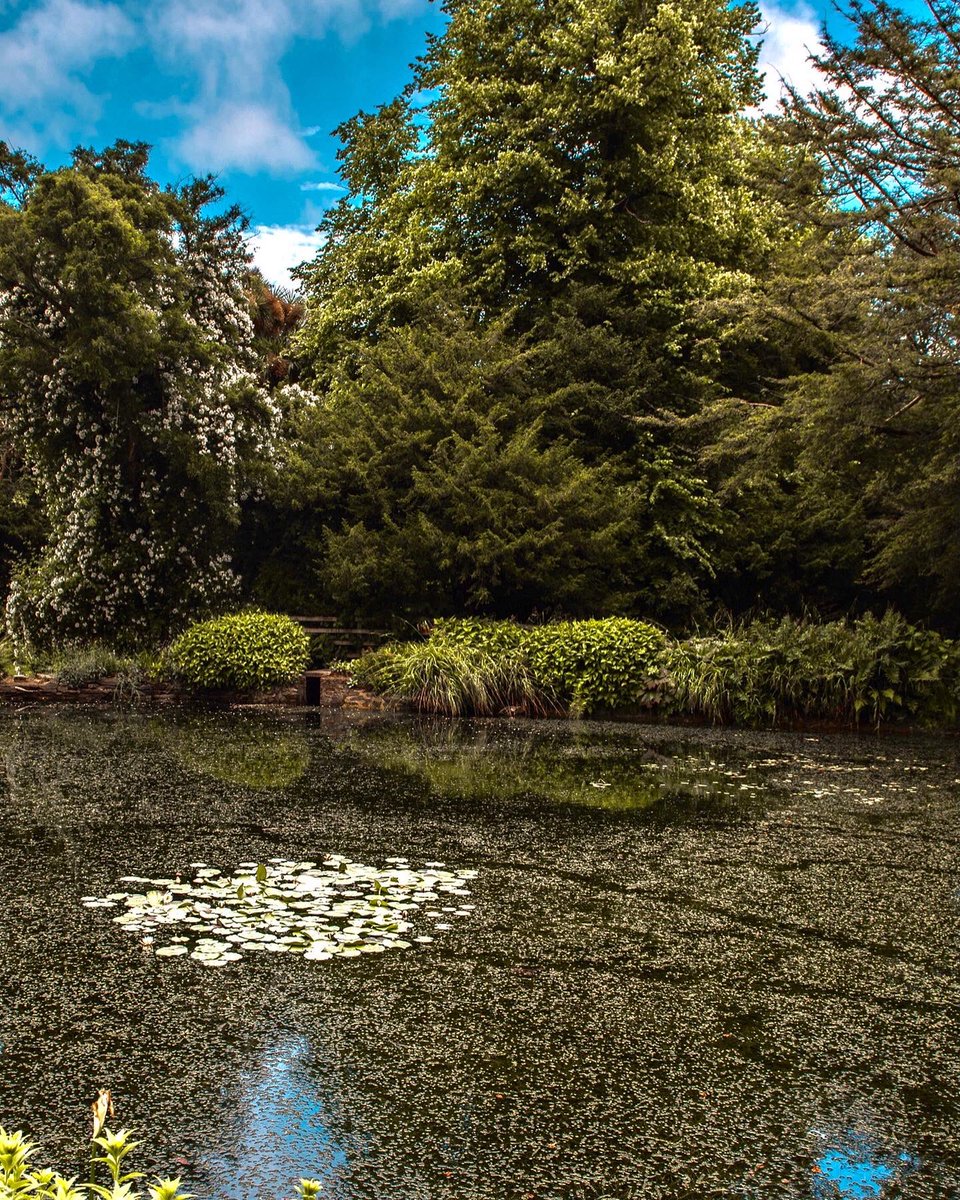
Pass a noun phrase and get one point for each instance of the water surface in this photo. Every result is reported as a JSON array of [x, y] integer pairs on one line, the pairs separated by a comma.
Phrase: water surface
[[701, 963]]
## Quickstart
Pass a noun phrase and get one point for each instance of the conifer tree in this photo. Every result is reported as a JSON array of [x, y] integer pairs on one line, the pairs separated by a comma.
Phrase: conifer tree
[[580, 173], [855, 445]]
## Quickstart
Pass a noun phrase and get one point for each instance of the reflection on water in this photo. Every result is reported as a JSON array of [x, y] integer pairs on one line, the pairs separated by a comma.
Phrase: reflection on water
[[582, 767], [279, 1131], [272, 760], [858, 1167], [689, 949]]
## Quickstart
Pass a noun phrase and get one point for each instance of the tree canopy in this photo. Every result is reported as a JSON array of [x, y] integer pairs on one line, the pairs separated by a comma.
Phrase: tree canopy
[[127, 387], [586, 335], [578, 176]]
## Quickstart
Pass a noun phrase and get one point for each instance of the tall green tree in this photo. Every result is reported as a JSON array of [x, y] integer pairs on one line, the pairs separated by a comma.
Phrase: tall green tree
[[580, 173], [863, 425], [450, 499], [128, 387]]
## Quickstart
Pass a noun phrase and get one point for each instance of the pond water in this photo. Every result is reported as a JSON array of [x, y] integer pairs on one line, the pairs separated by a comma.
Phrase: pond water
[[697, 963]]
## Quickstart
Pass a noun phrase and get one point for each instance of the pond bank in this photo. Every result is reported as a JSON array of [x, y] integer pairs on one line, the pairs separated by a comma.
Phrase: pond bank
[[333, 690], [328, 689]]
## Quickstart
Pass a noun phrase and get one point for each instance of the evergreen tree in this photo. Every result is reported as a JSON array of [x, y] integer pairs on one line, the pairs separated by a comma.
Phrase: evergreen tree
[[449, 498], [127, 387], [577, 174], [854, 446]]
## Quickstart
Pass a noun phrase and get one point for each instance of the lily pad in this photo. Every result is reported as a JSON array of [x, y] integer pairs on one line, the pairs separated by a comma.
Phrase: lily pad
[[337, 908]]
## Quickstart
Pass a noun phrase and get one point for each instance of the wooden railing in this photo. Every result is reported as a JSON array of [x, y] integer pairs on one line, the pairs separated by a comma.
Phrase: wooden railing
[[340, 638]]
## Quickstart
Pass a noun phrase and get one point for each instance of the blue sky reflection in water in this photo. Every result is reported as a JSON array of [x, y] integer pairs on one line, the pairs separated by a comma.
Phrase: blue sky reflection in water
[[857, 1168], [666, 985], [279, 1130]]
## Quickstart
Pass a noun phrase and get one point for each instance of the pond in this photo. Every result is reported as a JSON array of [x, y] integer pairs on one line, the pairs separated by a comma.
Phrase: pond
[[692, 964]]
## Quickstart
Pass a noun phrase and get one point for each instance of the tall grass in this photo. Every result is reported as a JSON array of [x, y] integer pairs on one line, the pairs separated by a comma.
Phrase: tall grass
[[440, 677]]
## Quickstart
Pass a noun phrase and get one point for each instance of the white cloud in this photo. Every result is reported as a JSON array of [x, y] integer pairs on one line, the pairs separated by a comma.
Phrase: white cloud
[[277, 249], [322, 186], [234, 49], [244, 137], [791, 35], [43, 55]]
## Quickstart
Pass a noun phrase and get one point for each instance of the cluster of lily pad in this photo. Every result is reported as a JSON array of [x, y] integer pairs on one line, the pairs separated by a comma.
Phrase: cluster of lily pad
[[336, 908]]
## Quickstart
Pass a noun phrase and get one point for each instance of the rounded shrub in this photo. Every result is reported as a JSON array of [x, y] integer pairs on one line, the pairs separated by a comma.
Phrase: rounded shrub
[[610, 663], [248, 650]]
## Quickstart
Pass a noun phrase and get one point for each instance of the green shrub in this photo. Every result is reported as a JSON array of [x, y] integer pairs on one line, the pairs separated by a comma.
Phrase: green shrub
[[760, 672], [472, 633], [248, 650], [8, 659], [590, 665], [482, 667]]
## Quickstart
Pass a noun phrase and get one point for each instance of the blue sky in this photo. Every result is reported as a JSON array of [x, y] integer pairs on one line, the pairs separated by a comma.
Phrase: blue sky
[[247, 89]]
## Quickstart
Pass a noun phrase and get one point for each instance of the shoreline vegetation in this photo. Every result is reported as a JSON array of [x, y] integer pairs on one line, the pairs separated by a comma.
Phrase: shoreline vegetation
[[868, 674], [871, 672]]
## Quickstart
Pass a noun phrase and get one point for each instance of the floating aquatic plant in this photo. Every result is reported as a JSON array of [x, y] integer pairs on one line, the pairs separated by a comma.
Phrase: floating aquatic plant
[[333, 909]]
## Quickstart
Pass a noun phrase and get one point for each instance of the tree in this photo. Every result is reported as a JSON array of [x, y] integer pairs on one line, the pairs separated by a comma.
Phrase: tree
[[441, 492], [127, 385], [867, 426], [578, 173]]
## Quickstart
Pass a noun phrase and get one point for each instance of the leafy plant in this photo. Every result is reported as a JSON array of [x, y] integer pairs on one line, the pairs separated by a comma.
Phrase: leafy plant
[[21, 1179], [79, 665], [590, 665], [764, 671], [242, 650], [484, 667], [8, 660]]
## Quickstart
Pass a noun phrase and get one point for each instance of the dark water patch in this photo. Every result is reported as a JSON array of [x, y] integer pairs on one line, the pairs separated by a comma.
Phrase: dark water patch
[[730, 977]]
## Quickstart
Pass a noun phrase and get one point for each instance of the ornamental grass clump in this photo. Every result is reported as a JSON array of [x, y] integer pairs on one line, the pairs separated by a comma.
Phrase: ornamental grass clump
[[442, 677], [77, 666], [242, 651]]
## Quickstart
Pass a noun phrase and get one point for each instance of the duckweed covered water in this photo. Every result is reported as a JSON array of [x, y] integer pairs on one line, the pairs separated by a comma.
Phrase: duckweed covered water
[[698, 963]]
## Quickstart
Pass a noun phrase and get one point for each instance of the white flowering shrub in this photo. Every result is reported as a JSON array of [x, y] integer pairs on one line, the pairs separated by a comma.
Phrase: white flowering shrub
[[129, 375]]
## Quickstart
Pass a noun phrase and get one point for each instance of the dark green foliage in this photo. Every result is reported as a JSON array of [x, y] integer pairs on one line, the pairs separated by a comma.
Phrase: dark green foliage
[[761, 672], [447, 480], [501, 324], [248, 650], [764, 672], [843, 459]]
